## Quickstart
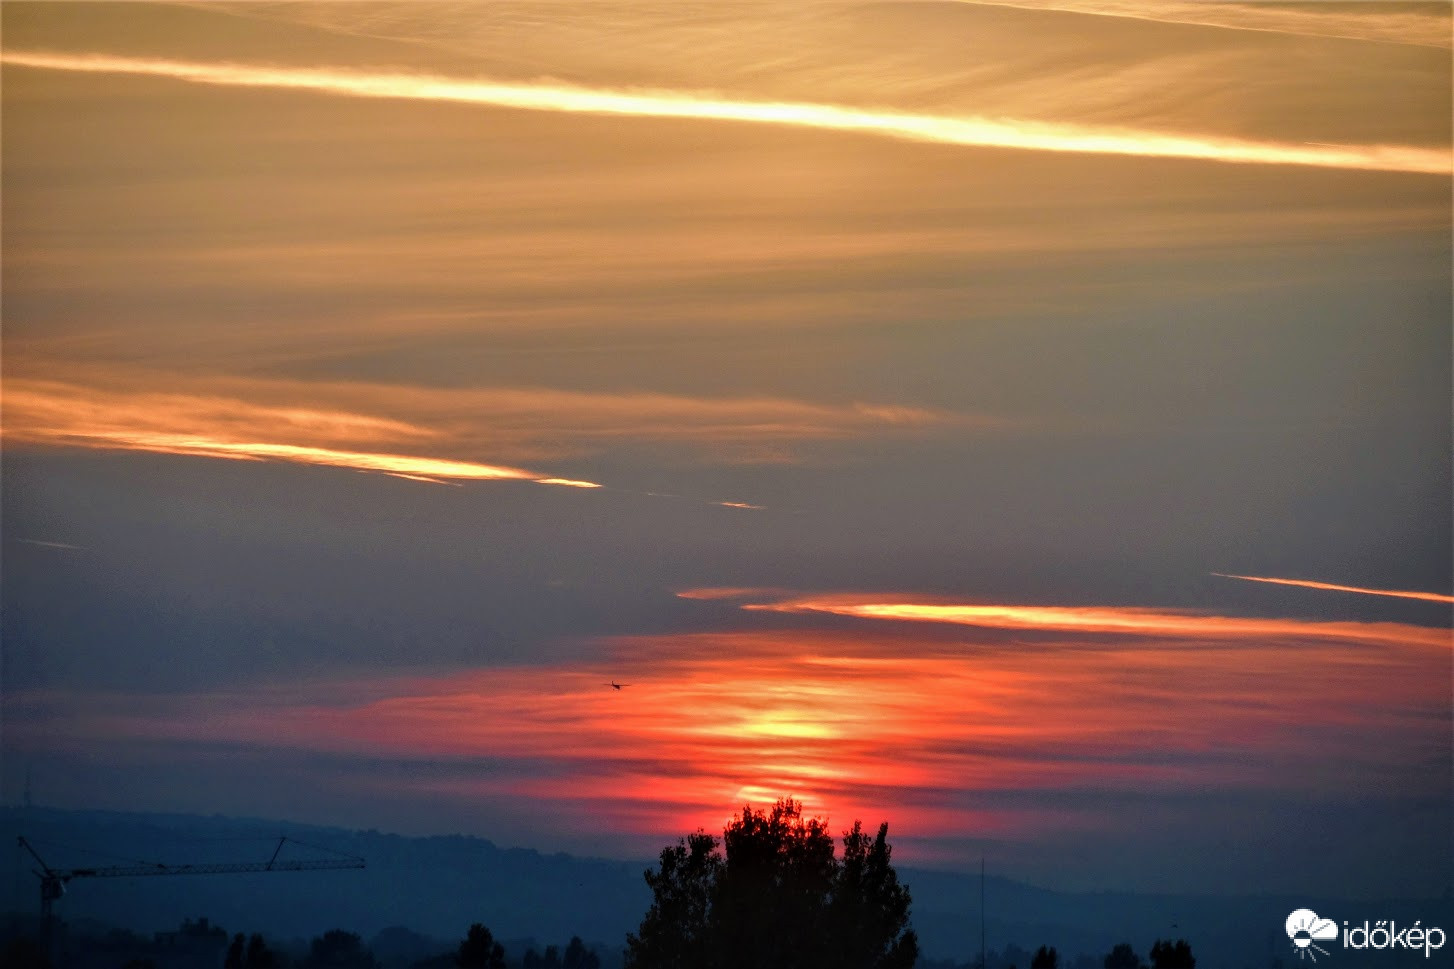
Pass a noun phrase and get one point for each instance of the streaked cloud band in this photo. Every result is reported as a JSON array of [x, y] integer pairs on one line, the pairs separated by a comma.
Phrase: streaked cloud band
[[979, 132], [1107, 620], [1378, 22], [1332, 587]]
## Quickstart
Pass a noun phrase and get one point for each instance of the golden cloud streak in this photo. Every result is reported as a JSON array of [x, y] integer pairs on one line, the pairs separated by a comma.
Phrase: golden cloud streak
[[404, 466], [1112, 620], [964, 131], [1331, 587], [1369, 23], [517, 424], [39, 412]]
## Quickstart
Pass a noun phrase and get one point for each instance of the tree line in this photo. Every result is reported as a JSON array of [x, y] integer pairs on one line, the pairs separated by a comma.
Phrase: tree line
[[1164, 954], [771, 893]]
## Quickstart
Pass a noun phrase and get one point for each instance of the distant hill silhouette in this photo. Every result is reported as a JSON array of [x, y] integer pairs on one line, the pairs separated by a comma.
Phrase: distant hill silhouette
[[435, 886], [438, 886]]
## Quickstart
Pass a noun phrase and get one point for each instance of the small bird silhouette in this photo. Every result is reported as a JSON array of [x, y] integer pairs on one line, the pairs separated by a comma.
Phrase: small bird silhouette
[[616, 686]]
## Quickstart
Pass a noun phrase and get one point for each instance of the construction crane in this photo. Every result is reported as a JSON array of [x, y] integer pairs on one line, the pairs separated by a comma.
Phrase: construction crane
[[53, 881]]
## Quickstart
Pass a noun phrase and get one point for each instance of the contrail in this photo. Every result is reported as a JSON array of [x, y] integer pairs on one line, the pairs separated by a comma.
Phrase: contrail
[[1379, 23], [409, 467], [44, 544], [1113, 620], [1392, 593], [965, 131]]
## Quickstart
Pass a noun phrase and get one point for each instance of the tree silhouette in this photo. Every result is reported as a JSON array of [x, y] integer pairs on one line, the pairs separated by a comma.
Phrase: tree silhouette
[[551, 959], [259, 956], [1172, 955], [245, 953], [236, 953], [337, 949], [870, 908], [775, 897], [479, 950], [1045, 958], [1122, 957], [577, 956], [676, 934]]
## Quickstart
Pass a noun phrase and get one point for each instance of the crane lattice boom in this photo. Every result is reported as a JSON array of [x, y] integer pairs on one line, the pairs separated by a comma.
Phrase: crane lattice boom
[[53, 880]]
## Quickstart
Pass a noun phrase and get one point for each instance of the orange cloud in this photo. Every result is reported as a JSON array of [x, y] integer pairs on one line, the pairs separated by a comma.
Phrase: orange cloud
[[40, 412], [946, 130], [1330, 587], [958, 739], [515, 423], [728, 592], [1179, 624]]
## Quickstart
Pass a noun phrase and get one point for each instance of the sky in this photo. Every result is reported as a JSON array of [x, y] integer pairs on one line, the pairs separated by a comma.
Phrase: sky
[[1027, 423]]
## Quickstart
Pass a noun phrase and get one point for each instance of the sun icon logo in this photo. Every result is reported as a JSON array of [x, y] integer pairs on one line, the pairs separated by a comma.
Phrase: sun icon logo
[[1304, 927]]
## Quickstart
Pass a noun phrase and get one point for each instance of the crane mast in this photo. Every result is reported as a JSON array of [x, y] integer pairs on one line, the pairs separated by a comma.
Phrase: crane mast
[[53, 881]]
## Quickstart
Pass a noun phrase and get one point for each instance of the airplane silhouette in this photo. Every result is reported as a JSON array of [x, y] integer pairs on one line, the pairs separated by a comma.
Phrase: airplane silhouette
[[616, 686]]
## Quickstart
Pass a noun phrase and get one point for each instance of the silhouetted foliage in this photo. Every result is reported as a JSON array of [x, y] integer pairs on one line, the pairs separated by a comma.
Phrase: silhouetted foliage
[[1172, 955], [776, 897], [870, 909], [245, 953], [577, 956], [236, 953], [676, 934], [479, 950], [337, 949], [1011, 958], [551, 959], [1122, 957], [259, 956], [1045, 958]]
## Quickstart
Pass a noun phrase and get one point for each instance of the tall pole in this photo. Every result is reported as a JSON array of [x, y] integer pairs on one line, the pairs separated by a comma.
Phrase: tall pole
[[982, 963]]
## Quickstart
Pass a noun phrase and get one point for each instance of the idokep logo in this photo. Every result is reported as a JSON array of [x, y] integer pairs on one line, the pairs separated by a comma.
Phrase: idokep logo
[[1305, 929]]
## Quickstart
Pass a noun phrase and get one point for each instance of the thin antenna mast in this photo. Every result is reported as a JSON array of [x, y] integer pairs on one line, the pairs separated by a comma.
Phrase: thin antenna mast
[[982, 963]]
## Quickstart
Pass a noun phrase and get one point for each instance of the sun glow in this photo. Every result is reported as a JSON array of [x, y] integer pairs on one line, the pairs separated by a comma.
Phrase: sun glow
[[935, 734]]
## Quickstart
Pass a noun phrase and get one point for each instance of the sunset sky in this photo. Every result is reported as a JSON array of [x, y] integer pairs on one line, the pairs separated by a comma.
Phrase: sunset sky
[[1026, 422]]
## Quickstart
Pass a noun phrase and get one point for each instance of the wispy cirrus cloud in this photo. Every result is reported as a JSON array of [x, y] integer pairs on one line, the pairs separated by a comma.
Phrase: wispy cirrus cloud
[[982, 132], [1333, 587], [1383, 23], [1089, 620], [49, 413], [441, 431]]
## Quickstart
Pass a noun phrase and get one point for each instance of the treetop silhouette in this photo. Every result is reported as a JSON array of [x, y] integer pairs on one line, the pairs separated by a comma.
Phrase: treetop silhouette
[[1166, 954], [776, 897], [479, 950], [1122, 957], [1045, 958]]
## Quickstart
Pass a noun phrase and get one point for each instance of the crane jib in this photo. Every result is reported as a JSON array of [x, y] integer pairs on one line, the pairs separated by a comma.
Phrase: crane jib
[[122, 871], [53, 880]]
